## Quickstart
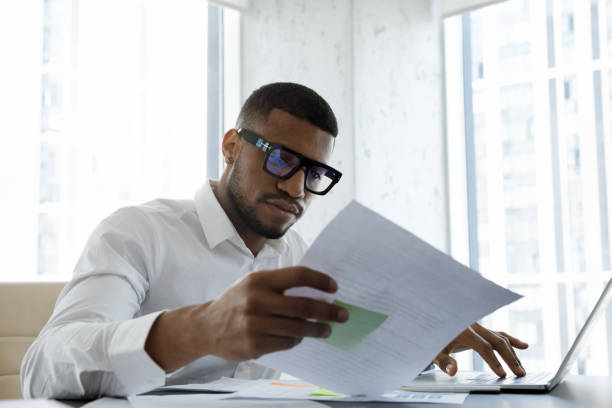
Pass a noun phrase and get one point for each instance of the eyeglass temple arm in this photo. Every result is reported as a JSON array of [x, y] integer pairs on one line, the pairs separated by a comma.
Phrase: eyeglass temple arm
[[262, 144]]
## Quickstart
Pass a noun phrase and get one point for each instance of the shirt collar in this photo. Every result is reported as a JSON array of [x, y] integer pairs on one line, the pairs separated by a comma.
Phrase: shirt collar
[[218, 227]]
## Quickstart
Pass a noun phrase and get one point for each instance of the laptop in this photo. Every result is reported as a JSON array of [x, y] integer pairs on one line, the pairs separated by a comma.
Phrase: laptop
[[437, 381]]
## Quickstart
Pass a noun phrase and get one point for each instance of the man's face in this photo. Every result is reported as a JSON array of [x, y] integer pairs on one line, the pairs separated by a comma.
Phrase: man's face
[[270, 206]]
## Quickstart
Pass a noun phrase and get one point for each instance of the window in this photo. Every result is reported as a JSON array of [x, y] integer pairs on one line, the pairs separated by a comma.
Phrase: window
[[126, 116], [529, 92]]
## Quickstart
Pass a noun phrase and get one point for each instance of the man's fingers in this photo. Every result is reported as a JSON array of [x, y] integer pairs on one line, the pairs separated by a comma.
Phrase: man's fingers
[[485, 349], [282, 279], [296, 307], [522, 371], [307, 308], [446, 363], [502, 345], [514, 341], [263, 344], [286, 327]]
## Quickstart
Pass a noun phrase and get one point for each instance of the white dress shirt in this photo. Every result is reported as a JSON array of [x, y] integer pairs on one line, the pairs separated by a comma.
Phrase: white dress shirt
[[137, 263]]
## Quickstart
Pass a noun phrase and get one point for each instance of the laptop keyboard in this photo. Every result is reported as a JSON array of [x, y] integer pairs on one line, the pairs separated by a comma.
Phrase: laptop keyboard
[[486, 378]]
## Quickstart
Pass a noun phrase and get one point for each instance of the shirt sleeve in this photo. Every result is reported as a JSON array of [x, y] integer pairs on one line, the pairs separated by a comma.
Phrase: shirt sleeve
[[92, 345]]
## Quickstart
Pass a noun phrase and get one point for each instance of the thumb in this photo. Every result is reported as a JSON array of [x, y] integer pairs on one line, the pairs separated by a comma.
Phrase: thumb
[[446, 363]]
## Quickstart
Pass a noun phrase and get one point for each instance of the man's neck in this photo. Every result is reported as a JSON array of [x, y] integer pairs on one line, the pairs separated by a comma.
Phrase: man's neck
[[252, 240]]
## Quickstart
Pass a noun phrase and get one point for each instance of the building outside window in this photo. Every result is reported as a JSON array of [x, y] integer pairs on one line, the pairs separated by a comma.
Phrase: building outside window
[[125, 110], [529, 92]]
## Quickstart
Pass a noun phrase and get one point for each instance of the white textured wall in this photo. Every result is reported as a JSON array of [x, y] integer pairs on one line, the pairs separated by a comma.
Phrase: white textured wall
[[398, 118], [309, 42], [379, 65]]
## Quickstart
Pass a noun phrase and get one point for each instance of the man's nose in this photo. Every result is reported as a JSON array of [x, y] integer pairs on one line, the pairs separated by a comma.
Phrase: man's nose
[[294, 185]]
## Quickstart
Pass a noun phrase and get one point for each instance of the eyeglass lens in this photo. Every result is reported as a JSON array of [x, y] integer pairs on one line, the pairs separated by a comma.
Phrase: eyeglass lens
[[281, 162], [318, 178]]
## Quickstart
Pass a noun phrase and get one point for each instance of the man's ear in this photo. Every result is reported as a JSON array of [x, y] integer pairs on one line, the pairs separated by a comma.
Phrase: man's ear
[[230, 145]]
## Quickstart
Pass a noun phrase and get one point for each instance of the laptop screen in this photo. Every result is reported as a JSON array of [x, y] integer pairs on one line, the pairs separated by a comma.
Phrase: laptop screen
[[594, 316]]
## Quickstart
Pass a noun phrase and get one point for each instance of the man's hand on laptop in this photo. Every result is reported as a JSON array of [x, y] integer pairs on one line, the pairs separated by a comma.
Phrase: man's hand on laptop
[[251, 318], [485, 342]]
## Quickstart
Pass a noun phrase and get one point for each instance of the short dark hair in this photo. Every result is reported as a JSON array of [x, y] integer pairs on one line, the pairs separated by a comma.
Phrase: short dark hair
[[295, 99]]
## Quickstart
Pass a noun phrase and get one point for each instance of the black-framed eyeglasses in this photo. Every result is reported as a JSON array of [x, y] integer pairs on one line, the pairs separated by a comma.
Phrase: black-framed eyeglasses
[[283, 163]]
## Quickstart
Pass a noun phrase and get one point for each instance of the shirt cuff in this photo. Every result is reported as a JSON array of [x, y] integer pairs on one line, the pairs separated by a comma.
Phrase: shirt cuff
[[132, 365]]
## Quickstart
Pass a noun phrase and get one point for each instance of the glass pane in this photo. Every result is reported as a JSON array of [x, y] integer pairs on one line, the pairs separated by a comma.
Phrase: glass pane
[[53, 31], [568, 35], [519, 178], [51, 112], [476, 40], [571, 131], [538, 135], [550, 35], [609, 25], [526, 321], [112, 133], [48, 244], [513, 22], [482, 200], [49, 173]]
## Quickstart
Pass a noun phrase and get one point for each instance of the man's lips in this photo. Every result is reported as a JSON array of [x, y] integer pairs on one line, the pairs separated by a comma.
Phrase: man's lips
[[285, 206]]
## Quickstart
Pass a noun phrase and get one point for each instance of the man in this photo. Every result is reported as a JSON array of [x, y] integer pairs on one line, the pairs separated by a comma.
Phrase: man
[[189, 291]]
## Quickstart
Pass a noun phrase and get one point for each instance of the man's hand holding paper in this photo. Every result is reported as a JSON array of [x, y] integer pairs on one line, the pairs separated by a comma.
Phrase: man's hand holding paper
[[251, 318], [407, 300]]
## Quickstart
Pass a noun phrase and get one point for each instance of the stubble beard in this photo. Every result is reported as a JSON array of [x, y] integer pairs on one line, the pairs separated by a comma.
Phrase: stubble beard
[[247, 212]]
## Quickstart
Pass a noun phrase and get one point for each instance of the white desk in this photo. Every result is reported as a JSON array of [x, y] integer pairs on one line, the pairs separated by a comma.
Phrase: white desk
[[574, 392]]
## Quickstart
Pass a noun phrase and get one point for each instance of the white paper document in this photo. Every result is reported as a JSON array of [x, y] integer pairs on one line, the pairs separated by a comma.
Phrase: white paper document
[[223, 384], [407, 300], [300, 390], [275, 393], [205, 400]]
